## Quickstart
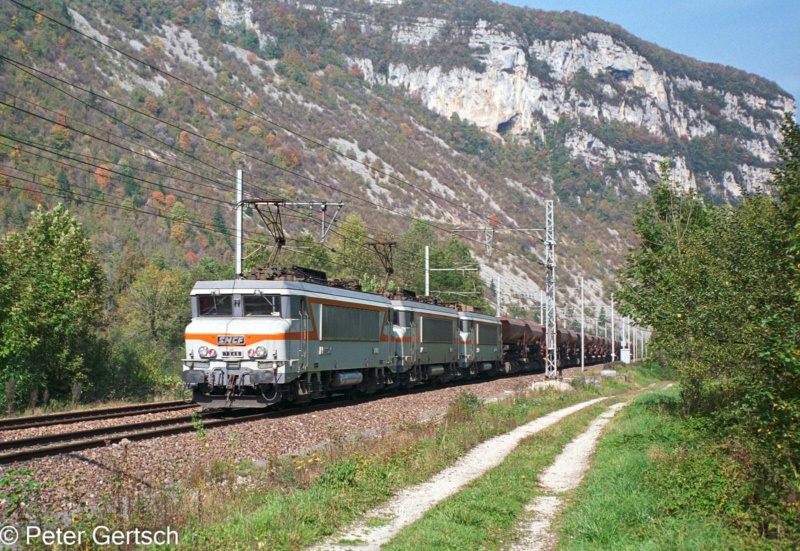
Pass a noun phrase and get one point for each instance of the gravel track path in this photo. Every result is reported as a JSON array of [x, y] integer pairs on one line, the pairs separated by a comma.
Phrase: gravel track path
[[82, 480], [412, 503], [562, 476]]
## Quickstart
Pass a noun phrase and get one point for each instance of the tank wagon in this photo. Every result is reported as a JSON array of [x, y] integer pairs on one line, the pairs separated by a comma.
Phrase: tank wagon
[[292, 336]]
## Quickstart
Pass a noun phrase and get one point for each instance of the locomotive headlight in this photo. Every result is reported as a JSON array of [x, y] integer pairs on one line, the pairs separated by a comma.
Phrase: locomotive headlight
[[259, 352], [206, 352]]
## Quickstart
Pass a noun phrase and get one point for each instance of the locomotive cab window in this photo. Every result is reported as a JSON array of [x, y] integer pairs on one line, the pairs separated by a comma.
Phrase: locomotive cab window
[[215, 305], [262, 305]]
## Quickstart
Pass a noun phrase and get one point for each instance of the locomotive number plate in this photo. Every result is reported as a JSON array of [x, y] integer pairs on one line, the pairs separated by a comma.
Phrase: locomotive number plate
[[230, 340]]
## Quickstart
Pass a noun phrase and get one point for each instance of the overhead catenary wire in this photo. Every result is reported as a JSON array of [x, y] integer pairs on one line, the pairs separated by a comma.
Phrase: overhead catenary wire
[[210, 200], [63, 160], [107, 140], [305, 177], [33, 73], [90, 199], [122, 146]]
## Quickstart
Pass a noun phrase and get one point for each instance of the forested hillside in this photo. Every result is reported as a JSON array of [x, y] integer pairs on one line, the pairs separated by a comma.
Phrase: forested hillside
[[136, 115]]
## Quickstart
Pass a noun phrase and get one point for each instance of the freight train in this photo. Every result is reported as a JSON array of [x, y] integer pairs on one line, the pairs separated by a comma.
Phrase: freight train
[[293, 336]]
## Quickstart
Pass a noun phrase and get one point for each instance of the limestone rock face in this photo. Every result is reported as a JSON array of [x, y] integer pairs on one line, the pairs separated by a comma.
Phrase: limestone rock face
[[528, 83]]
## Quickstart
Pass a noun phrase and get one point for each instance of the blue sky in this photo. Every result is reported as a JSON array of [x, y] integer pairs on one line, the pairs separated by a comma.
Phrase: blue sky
[[757, 36]]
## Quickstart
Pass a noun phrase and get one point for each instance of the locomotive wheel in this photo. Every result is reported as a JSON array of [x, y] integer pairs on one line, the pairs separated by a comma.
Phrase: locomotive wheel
[[273, 394]]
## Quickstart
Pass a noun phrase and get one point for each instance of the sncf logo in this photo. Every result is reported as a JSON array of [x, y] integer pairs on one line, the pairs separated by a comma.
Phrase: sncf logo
[[230, 340]]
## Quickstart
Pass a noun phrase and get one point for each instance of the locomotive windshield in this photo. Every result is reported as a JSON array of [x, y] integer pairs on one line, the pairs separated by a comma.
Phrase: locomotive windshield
[[262, 305], [215, 305]]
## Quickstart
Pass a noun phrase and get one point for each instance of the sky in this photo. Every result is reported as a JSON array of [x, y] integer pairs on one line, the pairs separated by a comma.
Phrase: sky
[[757, 36]]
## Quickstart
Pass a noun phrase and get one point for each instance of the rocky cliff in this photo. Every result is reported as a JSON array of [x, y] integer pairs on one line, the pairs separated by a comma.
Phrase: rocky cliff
[[525, 84]]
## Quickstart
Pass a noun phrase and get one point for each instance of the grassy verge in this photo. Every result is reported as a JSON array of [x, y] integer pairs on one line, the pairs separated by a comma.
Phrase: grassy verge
[[484, 515], [658, 482], [291, 502], [359, 476]]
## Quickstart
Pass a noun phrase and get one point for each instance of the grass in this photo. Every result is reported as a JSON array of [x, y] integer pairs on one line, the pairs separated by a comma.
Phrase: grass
[[657, 483], [292, 502], [484, 515], [367, 474], [359, 476]]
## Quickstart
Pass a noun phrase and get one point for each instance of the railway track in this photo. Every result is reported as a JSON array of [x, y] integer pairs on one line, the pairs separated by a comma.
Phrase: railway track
[[54, 444], [90, 415]]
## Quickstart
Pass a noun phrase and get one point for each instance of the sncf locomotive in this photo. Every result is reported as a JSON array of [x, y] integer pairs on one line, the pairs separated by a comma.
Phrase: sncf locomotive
[[294, 336]]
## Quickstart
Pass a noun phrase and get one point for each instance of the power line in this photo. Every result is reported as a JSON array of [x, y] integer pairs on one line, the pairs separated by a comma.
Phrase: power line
[[242, 108], [108, 141], [269, 121], [110, 170], [31, 70], [277, 125]]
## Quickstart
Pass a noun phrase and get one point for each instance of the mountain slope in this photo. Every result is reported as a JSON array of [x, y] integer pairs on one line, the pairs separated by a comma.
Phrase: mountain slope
[[455, 113]]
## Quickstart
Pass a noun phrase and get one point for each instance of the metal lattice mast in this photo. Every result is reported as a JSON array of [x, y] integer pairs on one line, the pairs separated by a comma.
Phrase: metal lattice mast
[[551, 366]]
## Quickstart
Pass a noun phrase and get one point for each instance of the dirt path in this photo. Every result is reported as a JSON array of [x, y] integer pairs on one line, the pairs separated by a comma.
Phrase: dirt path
[[412, 503], [564, 475]]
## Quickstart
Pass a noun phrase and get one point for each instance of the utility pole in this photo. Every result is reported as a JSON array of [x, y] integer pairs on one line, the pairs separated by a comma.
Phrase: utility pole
[[238, 224], [583, 368], [551, 366], [613, 344], [497, 297], [427, 271], [541, 306]]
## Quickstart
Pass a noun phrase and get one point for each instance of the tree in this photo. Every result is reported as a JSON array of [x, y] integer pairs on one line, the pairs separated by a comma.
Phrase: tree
[[103, 176], [410, 256], [354, 258], [64, 187], [720, 287], [155, 305], [309, 254], [130, 184], [52, 302], [220, 225], [185, 141]]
